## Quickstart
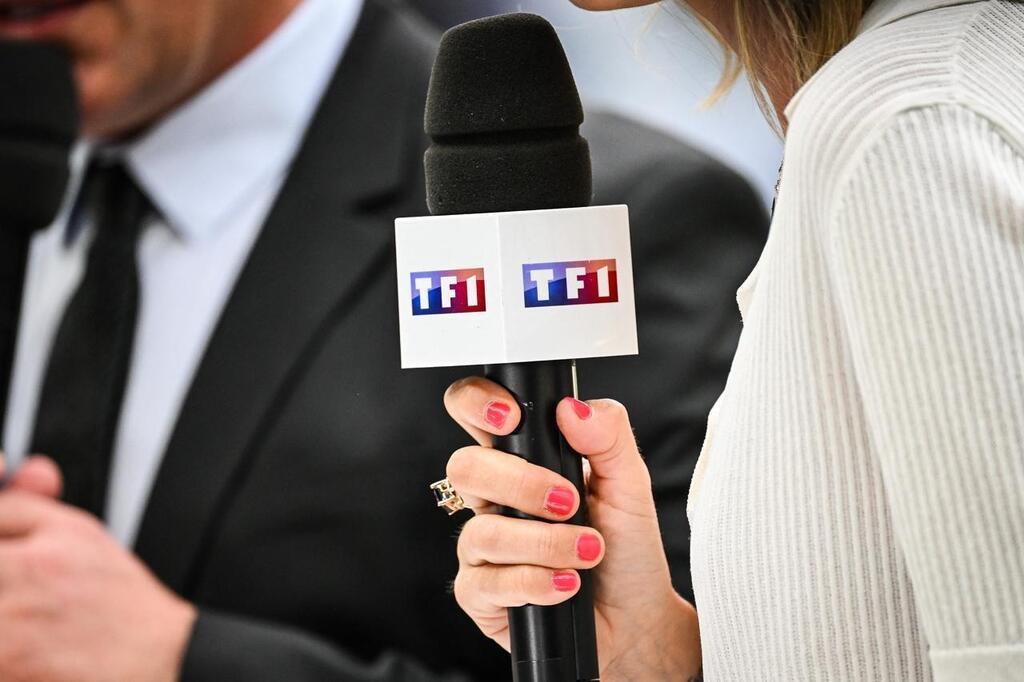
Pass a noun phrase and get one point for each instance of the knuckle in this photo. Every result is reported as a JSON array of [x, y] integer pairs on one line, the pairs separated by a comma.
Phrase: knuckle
[[617, 411], [524, 582], [459, 589], [622, 439], [82, 521], [563, 545], [460, 391], [469, 541], [462, 552], [519, 489], [488, 536], [460, 466], [453, 391], [549, 544]]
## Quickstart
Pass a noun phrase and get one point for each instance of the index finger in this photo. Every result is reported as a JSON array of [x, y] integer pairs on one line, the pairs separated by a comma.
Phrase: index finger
[[484, 475], [482, 408]]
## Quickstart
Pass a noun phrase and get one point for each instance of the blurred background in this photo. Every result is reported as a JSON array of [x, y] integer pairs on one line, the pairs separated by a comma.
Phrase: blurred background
[[655, 64]]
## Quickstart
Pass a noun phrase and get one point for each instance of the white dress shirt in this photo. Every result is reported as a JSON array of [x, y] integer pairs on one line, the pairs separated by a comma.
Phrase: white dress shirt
[[857, 512], [213, 168]]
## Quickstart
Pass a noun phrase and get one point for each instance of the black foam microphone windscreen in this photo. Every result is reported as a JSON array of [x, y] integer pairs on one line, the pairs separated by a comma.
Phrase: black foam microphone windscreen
[[38, 125], [504, 114]]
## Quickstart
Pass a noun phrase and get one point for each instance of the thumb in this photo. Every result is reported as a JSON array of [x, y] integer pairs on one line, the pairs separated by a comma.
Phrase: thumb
[[600, 430], [37, 475]]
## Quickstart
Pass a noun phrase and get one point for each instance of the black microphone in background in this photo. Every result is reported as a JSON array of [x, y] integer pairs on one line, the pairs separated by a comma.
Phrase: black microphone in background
[[38, 125], [503, 113]]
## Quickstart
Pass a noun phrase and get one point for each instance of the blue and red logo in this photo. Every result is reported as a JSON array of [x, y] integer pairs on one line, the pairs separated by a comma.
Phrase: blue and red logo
[[441, 292], [570, 283]]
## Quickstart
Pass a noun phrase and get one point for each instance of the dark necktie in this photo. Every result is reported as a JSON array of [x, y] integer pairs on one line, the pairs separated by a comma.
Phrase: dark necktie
[[80, 402]]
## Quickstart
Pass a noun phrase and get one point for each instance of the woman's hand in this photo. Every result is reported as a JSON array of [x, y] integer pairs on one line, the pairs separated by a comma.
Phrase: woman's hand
[[645, 630]]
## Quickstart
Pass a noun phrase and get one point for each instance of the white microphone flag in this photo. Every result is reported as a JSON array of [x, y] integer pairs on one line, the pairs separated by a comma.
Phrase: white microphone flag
[[521, 286]]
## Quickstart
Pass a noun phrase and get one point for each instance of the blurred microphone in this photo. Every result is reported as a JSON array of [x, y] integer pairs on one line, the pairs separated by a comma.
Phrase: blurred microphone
[[514, 271], [38, 125]]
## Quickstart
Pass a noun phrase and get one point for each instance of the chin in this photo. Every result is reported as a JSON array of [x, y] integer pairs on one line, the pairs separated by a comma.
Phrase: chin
[[101, 98], [93, 100]]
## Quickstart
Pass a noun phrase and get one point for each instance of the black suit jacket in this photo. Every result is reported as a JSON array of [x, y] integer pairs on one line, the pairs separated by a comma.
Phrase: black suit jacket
[[291, 505]]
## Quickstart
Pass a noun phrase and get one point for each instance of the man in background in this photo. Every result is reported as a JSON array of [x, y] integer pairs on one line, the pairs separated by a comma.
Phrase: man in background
[[250, 501]]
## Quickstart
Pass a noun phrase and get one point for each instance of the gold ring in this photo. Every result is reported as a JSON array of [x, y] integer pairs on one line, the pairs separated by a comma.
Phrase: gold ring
[[446, 496]]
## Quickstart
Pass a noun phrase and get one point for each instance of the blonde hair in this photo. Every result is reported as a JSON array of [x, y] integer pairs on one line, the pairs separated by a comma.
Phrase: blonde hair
[[782, 43]]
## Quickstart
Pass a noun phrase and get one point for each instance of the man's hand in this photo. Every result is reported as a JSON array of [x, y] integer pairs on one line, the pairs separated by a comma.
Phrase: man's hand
[[75, 605]]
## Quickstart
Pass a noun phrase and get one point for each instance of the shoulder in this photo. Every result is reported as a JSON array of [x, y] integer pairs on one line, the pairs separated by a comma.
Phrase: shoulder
[[940, 187], [965, 58], [935, 167], [408, 35], [668, 183], [422, 36], [626, 152]]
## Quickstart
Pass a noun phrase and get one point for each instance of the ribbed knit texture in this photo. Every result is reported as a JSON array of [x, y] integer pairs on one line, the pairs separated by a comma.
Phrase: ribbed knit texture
[[858, 510]]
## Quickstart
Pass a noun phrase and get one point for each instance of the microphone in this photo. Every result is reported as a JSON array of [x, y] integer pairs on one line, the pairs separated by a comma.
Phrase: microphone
[[503, 114], [38, 125], [515, 271]]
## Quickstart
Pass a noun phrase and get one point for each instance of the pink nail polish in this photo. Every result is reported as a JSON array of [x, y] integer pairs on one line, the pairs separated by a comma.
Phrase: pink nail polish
[[588, 547], [564, 581], [496, 413], [560, 501], [582, 410]]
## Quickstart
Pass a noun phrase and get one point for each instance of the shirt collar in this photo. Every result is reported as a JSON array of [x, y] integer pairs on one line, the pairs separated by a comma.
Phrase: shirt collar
[[884, 12], [198, 162], [879, 14]]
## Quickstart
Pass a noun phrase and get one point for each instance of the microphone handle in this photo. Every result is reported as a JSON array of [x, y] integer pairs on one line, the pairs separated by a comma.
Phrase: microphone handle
[[549, 643]]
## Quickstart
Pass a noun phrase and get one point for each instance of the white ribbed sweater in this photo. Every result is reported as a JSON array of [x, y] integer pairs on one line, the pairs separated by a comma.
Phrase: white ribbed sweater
[[858, 509]]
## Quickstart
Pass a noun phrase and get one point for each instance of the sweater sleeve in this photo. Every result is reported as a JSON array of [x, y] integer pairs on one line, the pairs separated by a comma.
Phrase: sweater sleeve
[[925, 250]]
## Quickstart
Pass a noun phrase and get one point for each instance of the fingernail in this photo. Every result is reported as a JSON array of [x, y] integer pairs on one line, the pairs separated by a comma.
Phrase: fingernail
[[588, 547], [564, 581], [496, 413], [582, 410], [559, 501]]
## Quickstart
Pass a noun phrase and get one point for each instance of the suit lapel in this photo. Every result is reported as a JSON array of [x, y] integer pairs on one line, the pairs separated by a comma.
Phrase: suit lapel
[[323, 237]]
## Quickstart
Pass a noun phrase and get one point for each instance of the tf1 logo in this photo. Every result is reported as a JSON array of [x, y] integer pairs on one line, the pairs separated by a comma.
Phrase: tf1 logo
[[570, 283], [448, 291]]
